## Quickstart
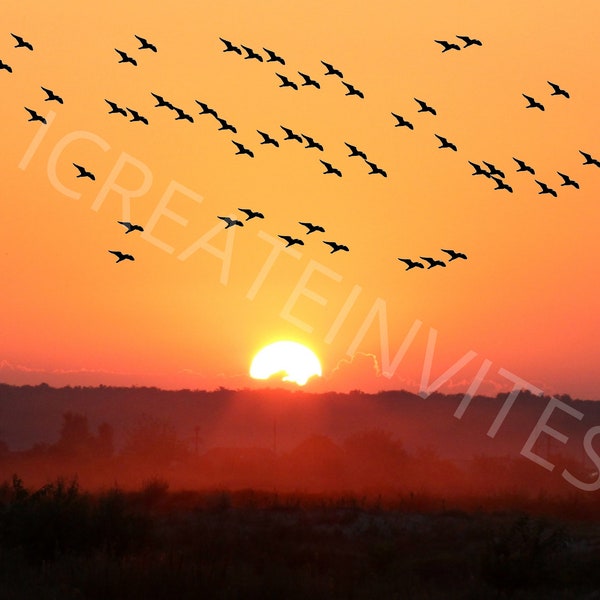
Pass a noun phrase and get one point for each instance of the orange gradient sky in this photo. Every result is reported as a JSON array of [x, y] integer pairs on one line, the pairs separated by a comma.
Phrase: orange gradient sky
[[199, 301]]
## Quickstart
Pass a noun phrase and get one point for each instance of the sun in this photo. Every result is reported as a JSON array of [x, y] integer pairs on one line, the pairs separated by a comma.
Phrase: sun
[[298, 362]]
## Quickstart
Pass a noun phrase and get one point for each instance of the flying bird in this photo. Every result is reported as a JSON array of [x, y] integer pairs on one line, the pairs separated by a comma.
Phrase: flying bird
[[252, 54], [331, 70], [273, 57], [182, 115], [330, 169], [162, 102], [375, 170], [479, 170], [311, 228], [290, 135], [502, 185], [589, 159], [308, 80], [411, 264], [425, 107], [115, 109], [229, 47], [21, 43], [225, 125], [125, 58], [6, 67], [402, 122], [532, 102], [352, 91], [285, 82], [52, 96], [83, 172], [469, 41], [558, 91], [145, 44], [251, 214], [454, 255], [242, 149], [231, 222], [523, 166], [206, 110], [135, 116], [267, 139], [130, 226], [493, 169], [291, 240], [568, 181], [447, 45], [545, 189], [354, 151], [35, 116], [335, 247], [121, 256], [310, 143], [433, 262], [445, 143]]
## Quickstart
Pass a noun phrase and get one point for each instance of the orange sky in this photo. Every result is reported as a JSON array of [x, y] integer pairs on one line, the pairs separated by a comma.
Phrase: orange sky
[[200, 301]]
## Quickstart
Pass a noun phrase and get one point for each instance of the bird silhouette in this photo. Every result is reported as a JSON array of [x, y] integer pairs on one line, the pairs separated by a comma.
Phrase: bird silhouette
[[290, 135], [523, 166], [308, 80], [229, 47], [21, 43], [502, 185], [469, 41], [354, 151], [231, 222], [402, 122], [115, 109], [285, 82], [545, 189], [335, 247], [533, 103], [493, 169], [558, 91], [274, 57], [425, 107], [125, 58], [135, 116], [479, 170], [162, 102], [206, 110], [252, 54], [121, 256], [331, 70], [145, 44], [242, 149], [454, 255], [225, 126], [267, 139], [130, 226], [375, 170], [6, 67], [330, 169], [445, 143], [447, 45], [352, 91], [291, 240], [182, 115], [251, 214], [589, 159], [311, 228], [83, 172], [310, 143], [568, 181], [52, 96], [35, 116], [433, 262], [411, 264]]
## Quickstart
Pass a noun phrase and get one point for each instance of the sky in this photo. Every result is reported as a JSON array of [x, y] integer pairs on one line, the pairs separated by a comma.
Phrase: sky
[[200, 301]]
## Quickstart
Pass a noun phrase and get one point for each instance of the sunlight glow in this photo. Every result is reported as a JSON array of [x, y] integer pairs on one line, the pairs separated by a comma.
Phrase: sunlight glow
[[298, 362]]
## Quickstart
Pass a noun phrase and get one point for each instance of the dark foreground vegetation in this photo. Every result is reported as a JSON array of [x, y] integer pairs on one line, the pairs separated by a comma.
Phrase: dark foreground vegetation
[[60, 542]]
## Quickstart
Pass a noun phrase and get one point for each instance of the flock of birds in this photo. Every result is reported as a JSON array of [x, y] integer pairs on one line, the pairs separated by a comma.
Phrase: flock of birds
[[488, 170]]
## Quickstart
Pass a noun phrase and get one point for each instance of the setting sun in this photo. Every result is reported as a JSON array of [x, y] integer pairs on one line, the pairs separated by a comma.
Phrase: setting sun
[[298, 362]]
